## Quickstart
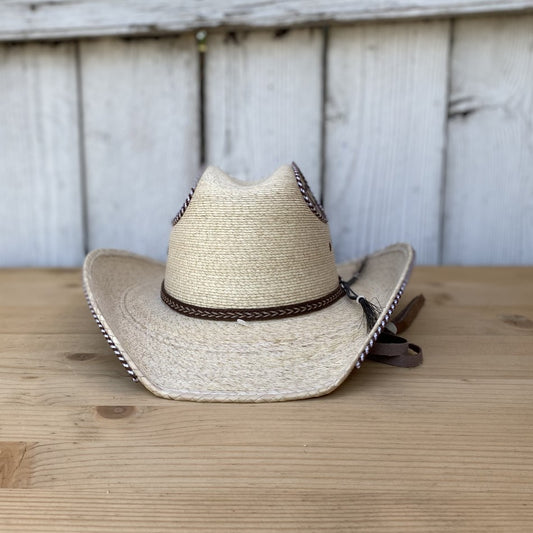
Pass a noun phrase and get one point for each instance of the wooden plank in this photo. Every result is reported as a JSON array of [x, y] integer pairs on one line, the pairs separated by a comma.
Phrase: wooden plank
[[96, 378], [40, 204], [494, 319], [464, 369], [42, 19], [464, 464], [457, 286], [263, 102], [140, 108], [231, 510], [200, 425], [385, 123], [489, 190]]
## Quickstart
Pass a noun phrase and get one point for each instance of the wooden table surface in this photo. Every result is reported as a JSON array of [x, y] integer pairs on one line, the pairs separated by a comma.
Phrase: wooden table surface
[[447, 446]]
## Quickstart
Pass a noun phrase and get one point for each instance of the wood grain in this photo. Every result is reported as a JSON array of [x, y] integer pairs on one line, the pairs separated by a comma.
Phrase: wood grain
[[385, 124], [40, 203], [442, 447], [157, 423], [38, 19], [489, 188], [140, 109], [264, 102], [230, 510], [14, 465], [371, 466]]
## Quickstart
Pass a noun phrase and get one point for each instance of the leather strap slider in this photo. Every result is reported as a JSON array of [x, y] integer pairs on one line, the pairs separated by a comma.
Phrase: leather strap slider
[[397, 351]]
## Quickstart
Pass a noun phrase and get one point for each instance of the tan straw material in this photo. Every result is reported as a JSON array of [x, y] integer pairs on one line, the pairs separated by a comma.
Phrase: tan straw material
[[253, 249], [250, 246]]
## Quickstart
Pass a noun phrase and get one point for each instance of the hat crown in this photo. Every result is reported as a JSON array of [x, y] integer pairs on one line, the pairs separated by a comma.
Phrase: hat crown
[[250, 245]]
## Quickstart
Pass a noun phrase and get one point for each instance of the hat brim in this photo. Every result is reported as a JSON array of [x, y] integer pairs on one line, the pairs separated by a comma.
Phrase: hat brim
[[184, 358]]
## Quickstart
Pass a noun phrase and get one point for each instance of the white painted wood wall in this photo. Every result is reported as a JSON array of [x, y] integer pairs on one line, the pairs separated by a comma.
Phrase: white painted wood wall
[[419, 131]]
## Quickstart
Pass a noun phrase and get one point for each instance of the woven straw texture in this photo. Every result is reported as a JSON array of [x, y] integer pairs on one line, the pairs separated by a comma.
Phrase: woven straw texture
[[249, 245], [179, 357]]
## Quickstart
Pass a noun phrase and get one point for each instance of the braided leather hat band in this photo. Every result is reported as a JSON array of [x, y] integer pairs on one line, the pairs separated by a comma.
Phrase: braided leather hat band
[[265, 313]]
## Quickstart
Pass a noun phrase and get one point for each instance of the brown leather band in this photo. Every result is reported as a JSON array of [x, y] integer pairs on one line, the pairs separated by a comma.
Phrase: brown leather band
[[397, 351], [403, 319], [264, 313]]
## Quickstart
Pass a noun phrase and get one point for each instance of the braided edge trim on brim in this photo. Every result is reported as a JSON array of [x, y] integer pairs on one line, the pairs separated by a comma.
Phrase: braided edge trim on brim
[[264, 313], [319, 388]]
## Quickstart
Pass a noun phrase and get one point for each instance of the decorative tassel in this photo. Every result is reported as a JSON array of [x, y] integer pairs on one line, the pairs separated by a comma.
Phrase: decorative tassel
[[370, 310]]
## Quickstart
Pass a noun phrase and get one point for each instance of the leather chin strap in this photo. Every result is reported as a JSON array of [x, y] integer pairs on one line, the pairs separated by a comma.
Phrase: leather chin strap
[[392, 349]]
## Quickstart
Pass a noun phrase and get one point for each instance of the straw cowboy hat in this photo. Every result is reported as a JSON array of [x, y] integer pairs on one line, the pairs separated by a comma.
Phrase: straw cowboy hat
[[249, 306]]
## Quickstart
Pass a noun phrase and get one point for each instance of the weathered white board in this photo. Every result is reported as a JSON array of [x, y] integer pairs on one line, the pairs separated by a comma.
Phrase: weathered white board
[[37, 19], [137, 109], [385, 125], [141, 116], [264, 102], [40, 193], [489, 192]]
